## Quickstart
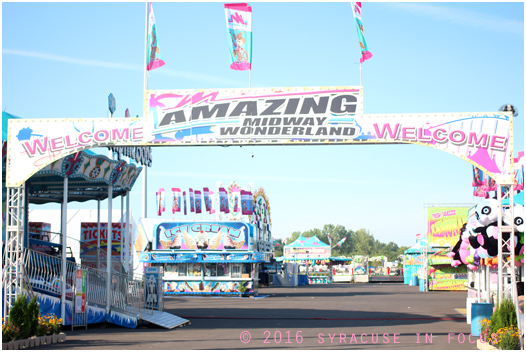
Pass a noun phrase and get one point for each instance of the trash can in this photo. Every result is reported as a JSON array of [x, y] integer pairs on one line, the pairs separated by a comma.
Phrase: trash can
[[414, 280], [479, 311], [421, 285]]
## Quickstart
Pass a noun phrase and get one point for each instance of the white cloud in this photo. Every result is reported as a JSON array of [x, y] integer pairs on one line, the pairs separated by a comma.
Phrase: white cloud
[[120, 66], [70, 60], [463, 17]]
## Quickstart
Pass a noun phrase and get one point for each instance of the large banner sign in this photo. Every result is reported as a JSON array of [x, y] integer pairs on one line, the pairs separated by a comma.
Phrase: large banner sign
[[280, 114], [88, 242], [89, 237], [306, 252], [444, 224], [447, 285], [264, 116], [181, 235], [35, 143]]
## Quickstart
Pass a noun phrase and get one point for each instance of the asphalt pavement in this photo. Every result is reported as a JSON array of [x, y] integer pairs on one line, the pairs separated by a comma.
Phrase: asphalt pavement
[[372, 316]]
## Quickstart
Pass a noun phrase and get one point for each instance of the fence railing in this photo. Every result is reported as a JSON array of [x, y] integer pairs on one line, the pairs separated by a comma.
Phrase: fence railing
[[77, 245], [43, 272], [128, 292], [96, 286]]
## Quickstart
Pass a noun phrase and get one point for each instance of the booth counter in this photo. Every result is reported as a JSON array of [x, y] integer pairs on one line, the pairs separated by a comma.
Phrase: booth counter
[[342, 273]]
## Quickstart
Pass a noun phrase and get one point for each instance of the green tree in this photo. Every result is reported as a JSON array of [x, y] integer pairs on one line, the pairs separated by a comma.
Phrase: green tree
[[363, 243], [293, 237], [278, 250]]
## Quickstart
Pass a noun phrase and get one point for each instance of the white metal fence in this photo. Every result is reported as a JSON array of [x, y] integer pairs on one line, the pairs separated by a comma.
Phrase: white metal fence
[[127, 292]]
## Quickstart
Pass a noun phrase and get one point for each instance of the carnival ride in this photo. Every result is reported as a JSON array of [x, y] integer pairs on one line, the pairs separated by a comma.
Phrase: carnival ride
[[36, 265]]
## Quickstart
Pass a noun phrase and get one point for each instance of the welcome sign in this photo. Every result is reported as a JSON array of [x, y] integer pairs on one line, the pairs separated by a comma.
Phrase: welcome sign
[[264, 116]]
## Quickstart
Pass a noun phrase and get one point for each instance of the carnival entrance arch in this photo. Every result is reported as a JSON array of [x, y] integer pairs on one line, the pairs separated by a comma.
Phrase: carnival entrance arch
[[264, 116], [260, 116]]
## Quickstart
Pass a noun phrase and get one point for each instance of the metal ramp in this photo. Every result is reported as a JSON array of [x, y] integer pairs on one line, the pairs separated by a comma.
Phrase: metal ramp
[[163, 319]]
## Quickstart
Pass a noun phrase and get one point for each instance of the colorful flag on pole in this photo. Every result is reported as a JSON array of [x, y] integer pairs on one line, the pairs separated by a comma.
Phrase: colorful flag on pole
[[246, 203], [206, 198], [340, 242], [176, 196], [160, 201], [223, 201], [184, 202], [198, 202], [153, 59], [192, 200], [357, 12], [239, 26], [478, 177], [330, 239]]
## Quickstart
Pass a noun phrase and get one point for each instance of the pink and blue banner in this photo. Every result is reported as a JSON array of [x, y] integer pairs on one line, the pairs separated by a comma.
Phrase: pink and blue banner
[[198, 202], [247, 207], [192, 209], [176, 203], [206, 196], [153, 59], [223, 201], [184, 202], [339, 244], [160, 201], [239, 26], [357, 12]]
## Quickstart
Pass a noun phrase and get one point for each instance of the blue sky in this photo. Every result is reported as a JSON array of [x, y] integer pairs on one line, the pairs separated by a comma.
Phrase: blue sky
[[62, 60]]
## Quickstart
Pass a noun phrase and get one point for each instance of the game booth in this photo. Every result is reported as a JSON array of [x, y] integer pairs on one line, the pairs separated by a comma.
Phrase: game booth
[[342, 269], [444, 277], [222, 257], [312, 256]]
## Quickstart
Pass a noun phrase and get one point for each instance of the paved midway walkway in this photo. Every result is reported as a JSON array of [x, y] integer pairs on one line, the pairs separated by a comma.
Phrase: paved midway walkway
[[374, 316]]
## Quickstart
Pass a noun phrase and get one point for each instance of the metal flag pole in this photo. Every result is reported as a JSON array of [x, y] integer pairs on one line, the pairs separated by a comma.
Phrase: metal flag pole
[[145, 171], [146, 53], [360, 74]]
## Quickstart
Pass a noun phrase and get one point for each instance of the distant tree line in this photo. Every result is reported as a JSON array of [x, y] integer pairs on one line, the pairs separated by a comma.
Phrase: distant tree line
[[359, 242]]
